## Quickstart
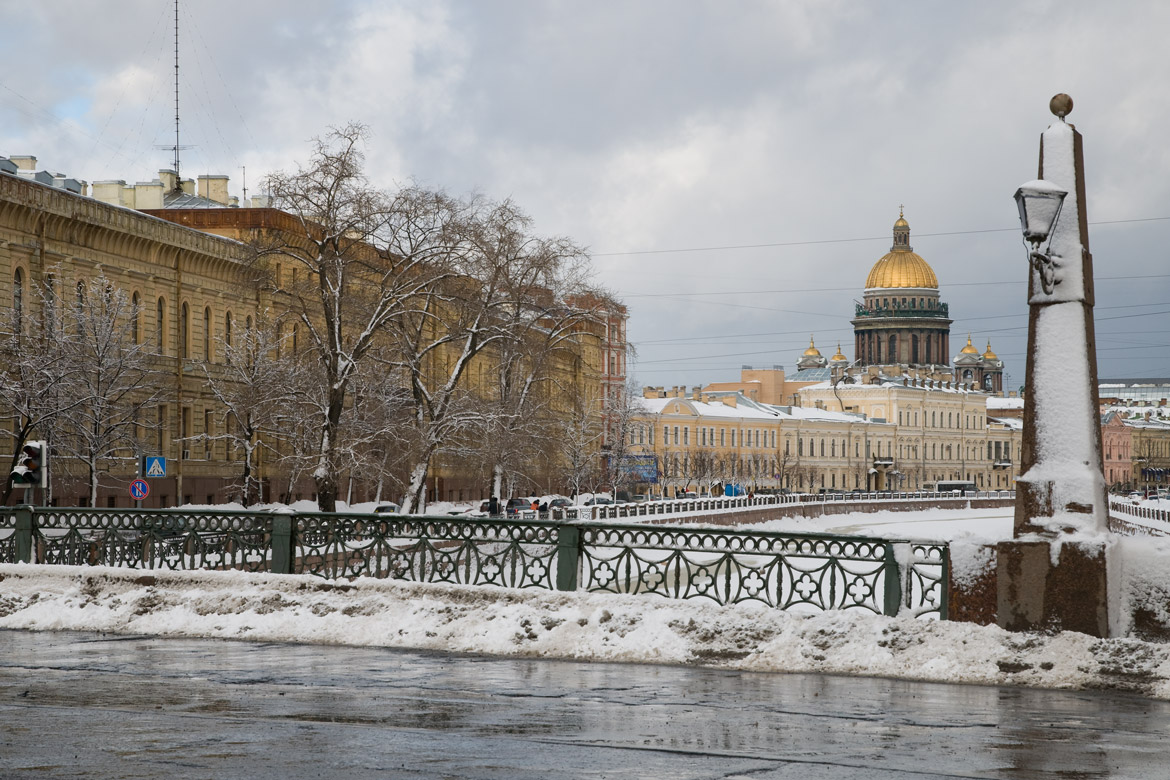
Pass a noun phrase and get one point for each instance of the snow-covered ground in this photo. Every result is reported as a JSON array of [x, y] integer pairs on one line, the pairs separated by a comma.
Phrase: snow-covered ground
[[582, 626], [988, 525]]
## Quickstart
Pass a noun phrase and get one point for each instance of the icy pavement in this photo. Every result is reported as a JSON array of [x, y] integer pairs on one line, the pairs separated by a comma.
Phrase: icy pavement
[[102, 706], [580, 626]]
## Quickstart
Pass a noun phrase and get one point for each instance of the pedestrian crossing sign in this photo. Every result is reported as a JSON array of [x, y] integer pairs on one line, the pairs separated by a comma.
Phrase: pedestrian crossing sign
[[155, 466]]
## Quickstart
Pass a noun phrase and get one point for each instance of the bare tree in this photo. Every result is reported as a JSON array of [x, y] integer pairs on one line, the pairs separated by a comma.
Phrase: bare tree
[[114, 378], [621, 413], [550, 303], [578, 433], [366, 256], [502, 272], [35, 375], [257, 388]]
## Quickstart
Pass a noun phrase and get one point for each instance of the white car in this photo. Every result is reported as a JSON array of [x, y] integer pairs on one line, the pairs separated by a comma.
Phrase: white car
[[387, 508]]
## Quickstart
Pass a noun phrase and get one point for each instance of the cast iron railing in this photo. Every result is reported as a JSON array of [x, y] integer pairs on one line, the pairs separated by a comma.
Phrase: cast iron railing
[[690, 506], [802, 572]]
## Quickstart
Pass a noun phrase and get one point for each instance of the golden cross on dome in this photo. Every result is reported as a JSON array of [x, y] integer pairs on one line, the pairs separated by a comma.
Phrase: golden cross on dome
[[900, 207]]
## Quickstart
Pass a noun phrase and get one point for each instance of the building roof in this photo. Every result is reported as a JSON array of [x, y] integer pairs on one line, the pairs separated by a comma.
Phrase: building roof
[[747, 409]]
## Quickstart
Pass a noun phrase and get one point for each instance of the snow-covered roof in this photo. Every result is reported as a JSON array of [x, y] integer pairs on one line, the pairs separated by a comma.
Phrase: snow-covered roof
[[997, 402], [746, 409]]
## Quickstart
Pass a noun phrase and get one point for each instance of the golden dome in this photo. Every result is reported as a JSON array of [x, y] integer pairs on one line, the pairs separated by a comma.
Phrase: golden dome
[[989, 355], [969, 349], [901, 267], [812, 350], [838, 356]]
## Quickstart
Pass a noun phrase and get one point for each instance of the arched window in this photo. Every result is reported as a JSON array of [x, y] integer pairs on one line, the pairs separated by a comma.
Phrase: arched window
[[184, 331], [161, 324], [248, 323], [893, 353], [207, 334], [227, 328]]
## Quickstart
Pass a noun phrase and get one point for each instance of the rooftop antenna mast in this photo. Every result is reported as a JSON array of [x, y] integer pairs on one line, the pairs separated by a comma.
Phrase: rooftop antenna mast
[[176, 148], [176, 93]]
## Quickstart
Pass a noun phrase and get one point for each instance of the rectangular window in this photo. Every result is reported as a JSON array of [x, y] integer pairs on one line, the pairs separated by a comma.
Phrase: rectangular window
[[676, 435], [722, 437], [686, 437], [733, 437]]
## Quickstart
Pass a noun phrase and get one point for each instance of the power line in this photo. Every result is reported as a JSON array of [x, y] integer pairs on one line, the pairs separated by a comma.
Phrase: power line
[[731, 247], [854, 289]]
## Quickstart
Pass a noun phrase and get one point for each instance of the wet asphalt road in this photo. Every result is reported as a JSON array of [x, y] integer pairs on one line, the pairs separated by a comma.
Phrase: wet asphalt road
[[78, 705]]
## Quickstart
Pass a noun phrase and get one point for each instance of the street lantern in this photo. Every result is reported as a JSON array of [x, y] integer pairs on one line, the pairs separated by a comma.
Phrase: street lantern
[[1039, 202]]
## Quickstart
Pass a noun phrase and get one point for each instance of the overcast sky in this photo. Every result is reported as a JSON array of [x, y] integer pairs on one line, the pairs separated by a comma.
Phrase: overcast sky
[[665, 136]]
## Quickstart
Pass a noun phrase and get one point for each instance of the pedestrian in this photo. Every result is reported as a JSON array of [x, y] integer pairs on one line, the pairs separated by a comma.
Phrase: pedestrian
[[535, 505], [494, 507]]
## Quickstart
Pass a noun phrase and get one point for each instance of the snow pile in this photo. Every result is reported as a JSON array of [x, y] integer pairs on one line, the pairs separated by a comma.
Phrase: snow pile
[[582, 626], [1144, 581]]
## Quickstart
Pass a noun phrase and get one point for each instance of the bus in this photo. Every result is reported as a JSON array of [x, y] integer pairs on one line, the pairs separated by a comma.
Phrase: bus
[[963, 486]]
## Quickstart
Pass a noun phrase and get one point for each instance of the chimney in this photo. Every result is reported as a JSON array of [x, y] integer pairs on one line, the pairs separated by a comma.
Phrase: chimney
[[214, 188], [25, 162], [168, 178]]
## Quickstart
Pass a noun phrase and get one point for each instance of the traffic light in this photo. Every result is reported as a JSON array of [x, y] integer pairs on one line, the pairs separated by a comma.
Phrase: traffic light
[[32, 467]]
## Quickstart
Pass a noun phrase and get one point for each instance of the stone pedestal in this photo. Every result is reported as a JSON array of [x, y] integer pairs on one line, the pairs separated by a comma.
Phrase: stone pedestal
[[1035, 595]]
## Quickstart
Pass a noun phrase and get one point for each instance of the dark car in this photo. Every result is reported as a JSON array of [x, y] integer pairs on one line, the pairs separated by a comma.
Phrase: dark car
[[517, 505]]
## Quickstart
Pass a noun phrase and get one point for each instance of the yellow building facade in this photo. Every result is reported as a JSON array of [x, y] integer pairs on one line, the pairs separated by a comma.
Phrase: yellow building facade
[[188, 271]]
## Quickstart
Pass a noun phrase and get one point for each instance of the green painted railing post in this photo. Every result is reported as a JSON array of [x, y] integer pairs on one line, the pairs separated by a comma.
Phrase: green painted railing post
[[282, 544], [944, 585], [568, 555], [893, 582], [24, 534]]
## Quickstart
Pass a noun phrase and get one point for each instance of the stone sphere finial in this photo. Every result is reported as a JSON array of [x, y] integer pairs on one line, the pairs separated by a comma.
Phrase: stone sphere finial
[[1061, 105]]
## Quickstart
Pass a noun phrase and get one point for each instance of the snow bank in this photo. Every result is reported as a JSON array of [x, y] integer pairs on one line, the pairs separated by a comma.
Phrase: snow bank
[[581, 626]]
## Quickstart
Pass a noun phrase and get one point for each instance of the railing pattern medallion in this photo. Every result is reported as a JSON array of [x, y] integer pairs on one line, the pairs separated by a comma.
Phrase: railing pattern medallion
[[425, 549]]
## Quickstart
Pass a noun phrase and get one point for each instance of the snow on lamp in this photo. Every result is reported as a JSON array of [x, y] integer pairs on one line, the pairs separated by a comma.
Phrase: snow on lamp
[[1039, 202]]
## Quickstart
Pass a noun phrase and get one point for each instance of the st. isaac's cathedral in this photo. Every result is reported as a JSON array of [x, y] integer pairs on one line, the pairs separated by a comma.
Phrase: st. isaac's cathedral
[[901, 322]]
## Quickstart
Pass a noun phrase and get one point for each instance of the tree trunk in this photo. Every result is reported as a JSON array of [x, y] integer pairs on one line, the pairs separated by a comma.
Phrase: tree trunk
[[415, 500], [497, 480]]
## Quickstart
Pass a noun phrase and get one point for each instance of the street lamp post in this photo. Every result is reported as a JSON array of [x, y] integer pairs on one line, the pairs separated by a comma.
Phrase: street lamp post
[[1052, 574]]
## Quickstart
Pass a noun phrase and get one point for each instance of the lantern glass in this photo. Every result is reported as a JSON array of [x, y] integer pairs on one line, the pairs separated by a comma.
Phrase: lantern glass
[[1039, 202]]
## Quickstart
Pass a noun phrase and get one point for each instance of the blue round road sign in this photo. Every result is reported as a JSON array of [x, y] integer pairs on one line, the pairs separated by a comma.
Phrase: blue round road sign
[[139, 489]]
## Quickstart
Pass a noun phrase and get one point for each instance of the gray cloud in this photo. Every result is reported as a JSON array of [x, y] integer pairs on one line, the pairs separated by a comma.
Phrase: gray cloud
[[662, 125]]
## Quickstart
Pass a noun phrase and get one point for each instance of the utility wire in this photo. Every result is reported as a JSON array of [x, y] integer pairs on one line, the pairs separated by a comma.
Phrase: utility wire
[[845, 240]]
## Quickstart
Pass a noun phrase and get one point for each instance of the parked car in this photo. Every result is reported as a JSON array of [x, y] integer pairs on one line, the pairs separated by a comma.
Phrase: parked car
[[598, 501], [386, 508], [517, 505]]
